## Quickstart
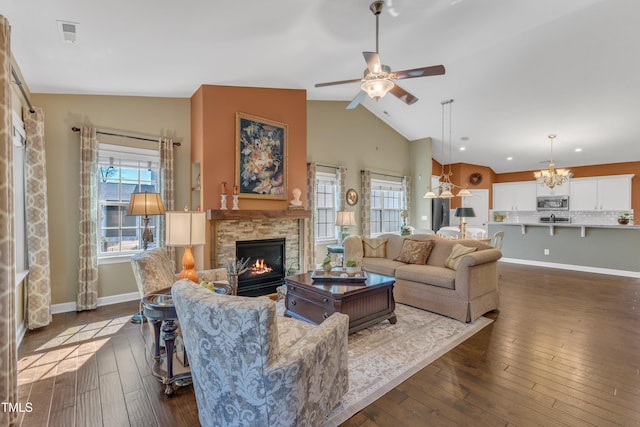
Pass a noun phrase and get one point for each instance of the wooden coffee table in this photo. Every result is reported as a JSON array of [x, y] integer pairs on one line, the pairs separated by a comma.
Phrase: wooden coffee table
[[366, 303]]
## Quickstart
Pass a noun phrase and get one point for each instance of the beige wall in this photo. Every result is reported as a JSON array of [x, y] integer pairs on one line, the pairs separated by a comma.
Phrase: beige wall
[[420, 158], [142, 116], [357, 140]]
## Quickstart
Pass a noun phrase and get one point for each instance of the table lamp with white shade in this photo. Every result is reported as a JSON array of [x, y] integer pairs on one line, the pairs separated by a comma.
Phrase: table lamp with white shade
[[345, 219], [186, 229]]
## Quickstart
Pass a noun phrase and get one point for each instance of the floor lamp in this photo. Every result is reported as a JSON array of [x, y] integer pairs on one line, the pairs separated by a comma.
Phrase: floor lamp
[[145, 204], [186, 229], [463, 213]]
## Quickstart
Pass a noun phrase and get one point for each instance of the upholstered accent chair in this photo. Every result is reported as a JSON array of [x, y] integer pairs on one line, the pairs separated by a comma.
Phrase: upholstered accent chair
[[251, 367], [154, 271]]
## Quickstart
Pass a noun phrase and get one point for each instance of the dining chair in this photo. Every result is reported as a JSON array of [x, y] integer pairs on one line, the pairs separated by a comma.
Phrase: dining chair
[[449, 232], [496, 240], [475, 233]]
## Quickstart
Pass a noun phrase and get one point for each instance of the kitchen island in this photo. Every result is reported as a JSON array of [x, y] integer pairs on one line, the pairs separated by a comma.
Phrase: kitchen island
[[608, 249]]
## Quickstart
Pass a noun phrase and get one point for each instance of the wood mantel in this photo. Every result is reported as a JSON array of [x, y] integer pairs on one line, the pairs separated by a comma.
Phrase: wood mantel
[[216, 214]]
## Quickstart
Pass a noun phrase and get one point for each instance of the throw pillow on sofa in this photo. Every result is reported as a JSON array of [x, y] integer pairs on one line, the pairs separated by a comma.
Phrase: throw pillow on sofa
[[456, 255], [415, 252], [374, 248]]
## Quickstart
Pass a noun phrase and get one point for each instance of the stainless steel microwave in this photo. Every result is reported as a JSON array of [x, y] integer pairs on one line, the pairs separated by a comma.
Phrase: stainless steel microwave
[[552, 203]]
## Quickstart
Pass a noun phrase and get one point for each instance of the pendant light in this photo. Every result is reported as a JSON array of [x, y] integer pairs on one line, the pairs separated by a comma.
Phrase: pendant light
[[552, 177], [446, 187]]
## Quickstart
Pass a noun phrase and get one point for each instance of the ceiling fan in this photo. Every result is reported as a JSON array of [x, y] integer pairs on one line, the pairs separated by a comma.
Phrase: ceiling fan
[[379, 79]]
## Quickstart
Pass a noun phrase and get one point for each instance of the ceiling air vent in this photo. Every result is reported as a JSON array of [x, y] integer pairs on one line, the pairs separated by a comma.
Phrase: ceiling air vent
[[68, 31]]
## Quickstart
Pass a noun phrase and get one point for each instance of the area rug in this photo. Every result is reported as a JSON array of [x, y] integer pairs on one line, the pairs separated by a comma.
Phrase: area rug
[[384, 355]]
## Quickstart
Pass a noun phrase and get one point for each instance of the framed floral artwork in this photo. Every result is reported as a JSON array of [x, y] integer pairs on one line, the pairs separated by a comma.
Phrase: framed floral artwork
[[261, 158]]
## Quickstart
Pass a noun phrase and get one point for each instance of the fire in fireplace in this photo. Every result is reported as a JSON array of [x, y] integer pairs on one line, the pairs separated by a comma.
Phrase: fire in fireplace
[[267, 266]]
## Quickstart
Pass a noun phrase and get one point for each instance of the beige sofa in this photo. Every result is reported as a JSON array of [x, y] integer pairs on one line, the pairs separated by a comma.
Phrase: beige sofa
[[465, 293]]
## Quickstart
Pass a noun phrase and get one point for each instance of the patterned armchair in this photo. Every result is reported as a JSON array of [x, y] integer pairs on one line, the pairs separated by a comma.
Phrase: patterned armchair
[[154, 271], [253, 368]]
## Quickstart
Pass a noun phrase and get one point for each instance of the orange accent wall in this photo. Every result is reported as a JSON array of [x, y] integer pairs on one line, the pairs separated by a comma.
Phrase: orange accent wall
[[460, 176], [213, 138]]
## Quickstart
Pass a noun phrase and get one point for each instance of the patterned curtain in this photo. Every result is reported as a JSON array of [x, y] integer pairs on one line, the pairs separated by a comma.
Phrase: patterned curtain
[[342, 187], [310, 241], [166, 190], [406, 187], [88, 253], [39, 279], [365, 223], [8, 350]]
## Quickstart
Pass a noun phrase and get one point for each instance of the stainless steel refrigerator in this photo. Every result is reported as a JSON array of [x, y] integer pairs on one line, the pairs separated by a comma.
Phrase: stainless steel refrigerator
[[439, 213]]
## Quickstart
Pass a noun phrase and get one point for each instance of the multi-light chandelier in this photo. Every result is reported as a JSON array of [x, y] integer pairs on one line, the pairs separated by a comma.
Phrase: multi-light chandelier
[[446, 187], [552, 177]]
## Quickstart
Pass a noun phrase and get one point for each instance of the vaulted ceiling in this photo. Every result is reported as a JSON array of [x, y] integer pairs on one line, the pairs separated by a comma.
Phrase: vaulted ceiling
[[518, 70]]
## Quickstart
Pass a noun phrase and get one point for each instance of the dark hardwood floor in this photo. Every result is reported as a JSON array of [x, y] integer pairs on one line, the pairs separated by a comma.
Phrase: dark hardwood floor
[[564, 349]]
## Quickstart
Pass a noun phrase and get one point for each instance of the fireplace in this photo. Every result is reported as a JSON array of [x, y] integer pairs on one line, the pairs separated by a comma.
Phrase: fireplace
[[266, 266]]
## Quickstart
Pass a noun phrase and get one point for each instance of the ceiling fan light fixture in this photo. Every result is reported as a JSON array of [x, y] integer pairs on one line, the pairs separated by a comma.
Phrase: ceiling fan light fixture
[[377, 88]]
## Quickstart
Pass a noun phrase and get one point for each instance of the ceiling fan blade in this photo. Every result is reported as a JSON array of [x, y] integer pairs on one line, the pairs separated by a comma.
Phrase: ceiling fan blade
[[403, 95], [357, 100], [341, 82], [373, 61], [420, 72]]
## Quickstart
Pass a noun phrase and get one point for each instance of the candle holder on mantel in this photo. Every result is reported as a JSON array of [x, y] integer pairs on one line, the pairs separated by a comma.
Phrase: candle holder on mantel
[[235, 203], [223, 202]]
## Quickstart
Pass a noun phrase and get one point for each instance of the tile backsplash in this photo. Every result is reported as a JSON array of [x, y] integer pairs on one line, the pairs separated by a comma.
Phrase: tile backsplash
[[577, 217]]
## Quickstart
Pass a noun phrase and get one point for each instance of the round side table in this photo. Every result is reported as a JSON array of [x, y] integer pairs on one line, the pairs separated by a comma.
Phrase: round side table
[[161, 312]]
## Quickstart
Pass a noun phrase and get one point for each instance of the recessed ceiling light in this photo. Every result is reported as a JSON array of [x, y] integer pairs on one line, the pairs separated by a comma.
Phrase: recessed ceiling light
[[463, 148], [509, 158], [577, 150]]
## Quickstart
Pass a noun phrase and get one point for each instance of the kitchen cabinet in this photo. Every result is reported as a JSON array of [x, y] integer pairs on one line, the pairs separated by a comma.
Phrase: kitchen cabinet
[[606, 193], [514, 196]]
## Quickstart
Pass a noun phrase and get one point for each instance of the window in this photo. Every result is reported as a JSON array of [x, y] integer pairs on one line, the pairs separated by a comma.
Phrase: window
[[387, 201], [122, 171], [19, 140], [326, 200]]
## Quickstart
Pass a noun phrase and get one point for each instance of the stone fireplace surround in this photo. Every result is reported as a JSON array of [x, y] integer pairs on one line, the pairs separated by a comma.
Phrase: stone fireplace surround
[[229, 226]]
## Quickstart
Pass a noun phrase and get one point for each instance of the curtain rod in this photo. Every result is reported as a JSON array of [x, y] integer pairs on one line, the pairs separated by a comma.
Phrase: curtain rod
[[386, 175], [24, 94], [328, 166], [175, 144]]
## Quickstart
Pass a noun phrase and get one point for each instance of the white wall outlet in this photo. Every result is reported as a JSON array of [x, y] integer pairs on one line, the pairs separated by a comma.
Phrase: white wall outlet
[[425, 217], [546, 251]]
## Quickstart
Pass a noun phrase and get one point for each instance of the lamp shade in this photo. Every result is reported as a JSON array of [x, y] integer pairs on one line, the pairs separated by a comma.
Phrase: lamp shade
[[377, 88], [345, 218], [185, 228], [143, 204], [464, 212]]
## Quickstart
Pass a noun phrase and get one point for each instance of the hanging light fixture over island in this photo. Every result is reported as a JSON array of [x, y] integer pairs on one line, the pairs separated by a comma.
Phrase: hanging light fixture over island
[[552, 177]]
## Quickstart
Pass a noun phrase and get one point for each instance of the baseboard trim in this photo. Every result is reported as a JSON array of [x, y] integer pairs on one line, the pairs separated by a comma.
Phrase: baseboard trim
[[584, 268], [66, 307]]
